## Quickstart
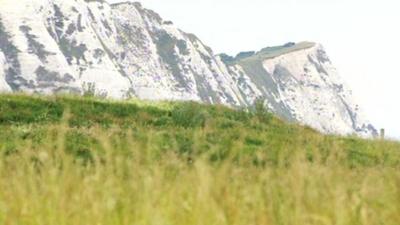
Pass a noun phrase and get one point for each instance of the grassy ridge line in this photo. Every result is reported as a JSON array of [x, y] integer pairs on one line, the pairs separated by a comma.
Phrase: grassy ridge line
[[20, 109], [188, 129], [273, 52]]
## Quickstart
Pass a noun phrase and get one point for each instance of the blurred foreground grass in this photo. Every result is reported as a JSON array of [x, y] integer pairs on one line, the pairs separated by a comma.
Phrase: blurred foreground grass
[[67, 160]]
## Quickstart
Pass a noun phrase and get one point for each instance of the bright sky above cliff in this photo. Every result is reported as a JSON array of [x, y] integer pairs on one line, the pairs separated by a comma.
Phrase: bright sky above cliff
[[362, 37]]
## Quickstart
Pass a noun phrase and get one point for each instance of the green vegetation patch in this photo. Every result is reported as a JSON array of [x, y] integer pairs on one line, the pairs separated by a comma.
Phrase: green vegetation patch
[[22, 110], [185, 128]]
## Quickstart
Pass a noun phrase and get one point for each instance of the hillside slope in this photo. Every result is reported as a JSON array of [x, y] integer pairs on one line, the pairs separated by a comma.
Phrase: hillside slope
[[247, 132], [124, 50]]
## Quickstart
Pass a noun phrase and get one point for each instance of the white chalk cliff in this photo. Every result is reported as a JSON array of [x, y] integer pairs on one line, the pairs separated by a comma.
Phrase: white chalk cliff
[[122, 50]]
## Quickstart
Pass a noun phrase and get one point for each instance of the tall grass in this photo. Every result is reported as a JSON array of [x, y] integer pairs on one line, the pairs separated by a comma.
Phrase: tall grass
[[85, 161]]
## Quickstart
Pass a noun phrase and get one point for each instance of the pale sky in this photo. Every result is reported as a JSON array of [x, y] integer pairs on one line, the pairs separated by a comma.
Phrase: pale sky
[[362, 38]]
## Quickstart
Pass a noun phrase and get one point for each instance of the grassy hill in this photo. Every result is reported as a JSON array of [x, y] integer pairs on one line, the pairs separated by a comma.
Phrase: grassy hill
[[70, 160]]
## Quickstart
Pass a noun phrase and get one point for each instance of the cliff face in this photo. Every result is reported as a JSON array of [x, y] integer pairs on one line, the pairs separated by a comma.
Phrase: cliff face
[[122, 50], [300, 83]]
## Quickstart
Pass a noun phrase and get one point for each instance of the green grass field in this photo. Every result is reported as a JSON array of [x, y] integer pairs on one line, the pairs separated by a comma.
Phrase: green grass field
[[70, 160]]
